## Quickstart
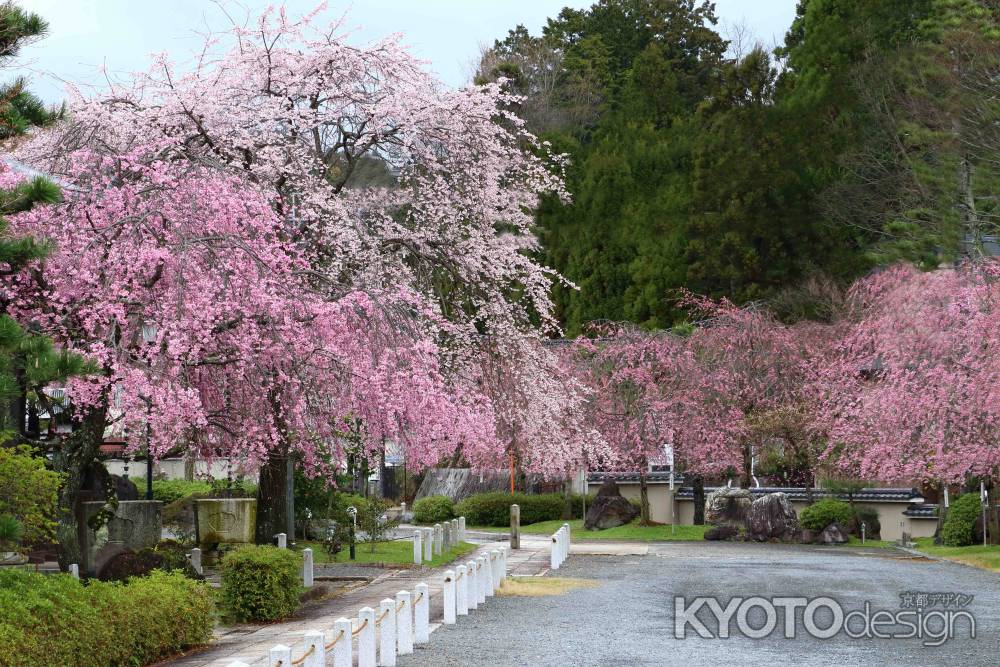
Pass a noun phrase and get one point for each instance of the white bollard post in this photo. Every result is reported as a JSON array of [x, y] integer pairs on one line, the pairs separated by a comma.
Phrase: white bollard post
[[485, 587], [279, 655], [74, 570], [315, 650], [366, 637], [568, 535], [503, 563], [196, 560], [462, 590], [494, 570], [438, 539], [554, 554], [456, 533], [418, 547], [343, 654], [307, 568], [472, 588], [387, 633], [461, 529], [448, 593], [404, 623], [402, 512], [446, 537], [282, 540], [421, 614], [428, 544]]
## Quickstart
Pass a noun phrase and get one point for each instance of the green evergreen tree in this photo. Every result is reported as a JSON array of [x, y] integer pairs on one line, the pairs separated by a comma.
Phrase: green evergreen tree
[[19, 108]]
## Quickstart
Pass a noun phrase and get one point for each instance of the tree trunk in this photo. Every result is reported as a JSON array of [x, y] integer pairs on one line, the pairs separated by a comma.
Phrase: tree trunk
[[73, 458], [643, 500], [698, 482], [746, 479], [568, 493], [992, 522], [272, 499]]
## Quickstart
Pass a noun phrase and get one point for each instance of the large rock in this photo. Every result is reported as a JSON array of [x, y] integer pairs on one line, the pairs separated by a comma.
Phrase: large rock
[[728, 507], [771, 517], [125, 488], [609, 509], [833, 534]]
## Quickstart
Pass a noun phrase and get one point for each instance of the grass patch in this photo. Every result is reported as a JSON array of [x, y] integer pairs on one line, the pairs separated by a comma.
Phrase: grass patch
[[542, 586], [878, 544], [393, 552], [630, 532], [985, 557]]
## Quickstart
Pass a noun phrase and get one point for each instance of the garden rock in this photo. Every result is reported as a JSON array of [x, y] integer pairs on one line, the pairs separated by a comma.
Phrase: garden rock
[[609, 509], [833, 534], [728, 507], [716, 533], [772, 517]]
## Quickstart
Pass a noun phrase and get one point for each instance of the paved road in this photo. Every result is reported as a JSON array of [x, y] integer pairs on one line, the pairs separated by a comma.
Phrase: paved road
[[629, 618]]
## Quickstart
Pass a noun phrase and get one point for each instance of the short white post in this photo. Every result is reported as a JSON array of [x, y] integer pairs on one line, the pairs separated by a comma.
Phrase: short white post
[[438, 539], [404, 623], [491, 558], [446, 537], [448, 594], [503, 563], [418, 547], [428, 544], [196, 561], [280, 655], [74, 570], [455, 532], [554, 554], [402, 512], [307, 568], [567, 529], [315, 650], [462, 590], [461, 529], [472, 592], [343, 641], [282, 540], [366, 637], [485, 587], [387, 633], [421, 614]]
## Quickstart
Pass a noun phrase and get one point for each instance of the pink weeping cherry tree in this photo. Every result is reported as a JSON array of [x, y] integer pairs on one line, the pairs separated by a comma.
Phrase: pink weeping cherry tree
[[294, 231]]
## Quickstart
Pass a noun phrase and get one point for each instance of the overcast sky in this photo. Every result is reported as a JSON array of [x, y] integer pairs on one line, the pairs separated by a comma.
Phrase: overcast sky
[[120, 34]]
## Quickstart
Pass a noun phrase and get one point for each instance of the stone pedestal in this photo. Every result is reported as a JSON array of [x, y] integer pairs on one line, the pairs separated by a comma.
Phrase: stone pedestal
[[136, 524], [225, 520]]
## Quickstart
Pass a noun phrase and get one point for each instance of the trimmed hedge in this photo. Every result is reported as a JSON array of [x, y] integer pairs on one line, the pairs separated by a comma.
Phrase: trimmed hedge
[[822, 513], [433, 509], [959, 526], [493, 509], [55, 620], [261, 583]]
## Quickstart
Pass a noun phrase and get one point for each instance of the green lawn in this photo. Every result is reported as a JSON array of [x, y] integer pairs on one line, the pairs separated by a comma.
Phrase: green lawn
[[632, 531], [395, 552], [985, 557], [881, 544]]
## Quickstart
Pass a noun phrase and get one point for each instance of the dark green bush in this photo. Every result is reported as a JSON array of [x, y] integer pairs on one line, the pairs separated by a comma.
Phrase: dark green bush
[[960, 523], [170, 490], [493, 509], [822, 513], [168, 555], [260, 583], [577, 500], [433, 509], [54, 620]]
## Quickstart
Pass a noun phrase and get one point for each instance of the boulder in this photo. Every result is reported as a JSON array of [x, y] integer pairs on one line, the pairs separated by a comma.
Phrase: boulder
[[771, 517], [125, 488], [722, 533], [808, 536], [609, 508], [833, 534], [728, 507]]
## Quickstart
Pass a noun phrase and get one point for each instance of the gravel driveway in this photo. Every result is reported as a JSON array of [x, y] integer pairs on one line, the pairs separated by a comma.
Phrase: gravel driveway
[[629, 619]]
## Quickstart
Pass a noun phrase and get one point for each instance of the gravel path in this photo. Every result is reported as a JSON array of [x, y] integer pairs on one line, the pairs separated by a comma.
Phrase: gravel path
[[629, 618]]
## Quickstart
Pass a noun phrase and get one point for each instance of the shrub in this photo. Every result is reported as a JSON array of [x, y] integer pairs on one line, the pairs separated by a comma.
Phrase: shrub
[[168, 555], [822, 513], [493, 509], [577, 501], [11, 531], [54, 620], [28, 492], [170, 490], [960, 523], [433, 509], [260, 583]]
